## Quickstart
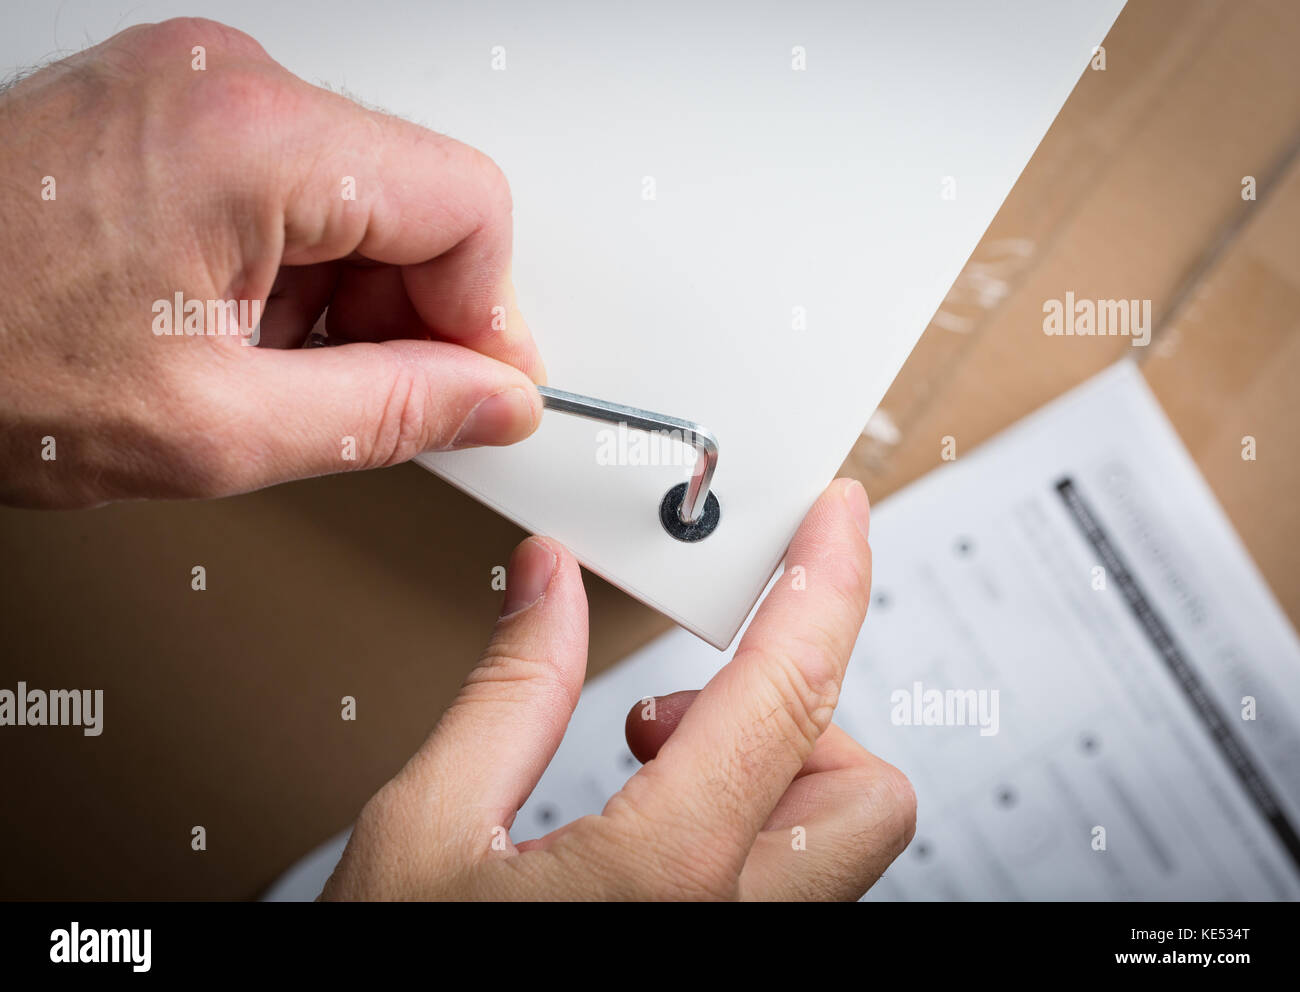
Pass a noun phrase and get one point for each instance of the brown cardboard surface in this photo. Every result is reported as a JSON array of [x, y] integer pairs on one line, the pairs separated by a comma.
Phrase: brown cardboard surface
[[1151, 43], [1225, 369], [1142, 200], [1133, 223], [225, 705]]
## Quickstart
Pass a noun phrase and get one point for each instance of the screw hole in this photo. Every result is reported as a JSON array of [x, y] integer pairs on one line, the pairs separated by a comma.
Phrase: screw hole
[[689, 533]]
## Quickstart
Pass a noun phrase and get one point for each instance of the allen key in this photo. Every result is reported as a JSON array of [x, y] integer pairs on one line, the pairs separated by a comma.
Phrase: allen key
[[689, 511]]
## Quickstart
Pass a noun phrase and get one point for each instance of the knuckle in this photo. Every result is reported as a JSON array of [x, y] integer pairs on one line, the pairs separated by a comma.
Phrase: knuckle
[[177, 36], [402, 420], [510, 671], [888, 808], [241, 98], [903, 805], [499, 200], [817, 654], [805, 684]]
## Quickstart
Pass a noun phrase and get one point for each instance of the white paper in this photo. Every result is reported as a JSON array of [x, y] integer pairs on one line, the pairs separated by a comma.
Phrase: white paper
[[984, 581], [775, 188]]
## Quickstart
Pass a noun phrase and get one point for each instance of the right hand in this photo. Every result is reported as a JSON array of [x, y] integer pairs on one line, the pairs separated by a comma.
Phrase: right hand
[[748, 791]]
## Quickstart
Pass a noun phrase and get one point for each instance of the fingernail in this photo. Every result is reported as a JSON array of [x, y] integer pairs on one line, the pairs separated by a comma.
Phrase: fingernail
[[530, 573], [502, 418], [856, 497]]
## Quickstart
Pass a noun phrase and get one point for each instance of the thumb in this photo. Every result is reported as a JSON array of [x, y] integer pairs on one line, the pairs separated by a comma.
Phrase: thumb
[[289, 414], [492, 745]]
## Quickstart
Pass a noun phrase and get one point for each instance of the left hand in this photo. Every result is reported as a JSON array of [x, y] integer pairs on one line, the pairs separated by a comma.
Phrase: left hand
[[748, 791]]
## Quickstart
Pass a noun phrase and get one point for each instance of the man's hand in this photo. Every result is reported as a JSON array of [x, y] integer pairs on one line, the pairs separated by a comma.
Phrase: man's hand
[[139, 170], [731, 772]]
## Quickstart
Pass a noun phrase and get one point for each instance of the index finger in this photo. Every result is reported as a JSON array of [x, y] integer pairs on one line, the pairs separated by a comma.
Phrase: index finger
[[315, 177], [718, 777], [435, 206]]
